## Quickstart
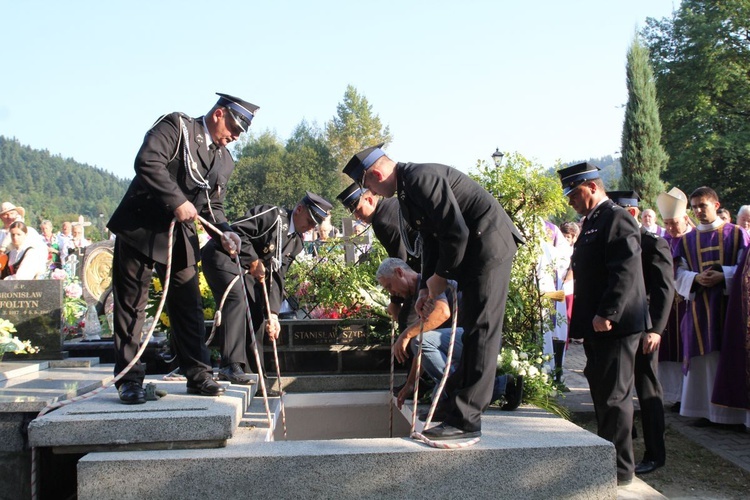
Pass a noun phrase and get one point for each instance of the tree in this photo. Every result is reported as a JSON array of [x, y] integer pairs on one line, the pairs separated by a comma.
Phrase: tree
[[354, 127], [643, 156], [701, 57]]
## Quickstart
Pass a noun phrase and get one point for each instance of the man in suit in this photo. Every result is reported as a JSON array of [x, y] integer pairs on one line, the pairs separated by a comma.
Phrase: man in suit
[[658, 276], [466, 236], [382, 214], [610, 312], [271, 239], [181, 171]]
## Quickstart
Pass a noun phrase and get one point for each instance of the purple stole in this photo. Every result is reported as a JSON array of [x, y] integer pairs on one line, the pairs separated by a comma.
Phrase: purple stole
[[703, 324], [732, 385]]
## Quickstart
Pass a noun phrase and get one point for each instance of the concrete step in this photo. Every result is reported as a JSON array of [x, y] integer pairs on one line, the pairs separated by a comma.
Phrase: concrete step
[[527, 453], [179, 420]]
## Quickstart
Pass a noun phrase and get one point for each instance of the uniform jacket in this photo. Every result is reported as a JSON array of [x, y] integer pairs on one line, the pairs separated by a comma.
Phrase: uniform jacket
[[608, 275], [658, 275], [262, 230], [464, 229], [385, 225], [162, 183]]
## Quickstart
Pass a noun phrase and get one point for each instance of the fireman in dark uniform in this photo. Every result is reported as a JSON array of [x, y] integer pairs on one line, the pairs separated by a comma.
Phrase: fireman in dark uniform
[[181, 171], [610, 311], [271, 239], [466, 236], [658, 275]]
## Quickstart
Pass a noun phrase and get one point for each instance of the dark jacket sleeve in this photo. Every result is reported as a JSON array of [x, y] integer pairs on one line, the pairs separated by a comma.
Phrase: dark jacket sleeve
[[659, 279], [151, 162]]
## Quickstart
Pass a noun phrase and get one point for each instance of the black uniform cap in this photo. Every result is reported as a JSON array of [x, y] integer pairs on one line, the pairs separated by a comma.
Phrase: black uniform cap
[[242, 111], [573, 176], [350, 196], [318, 207], [624, 198], [360, 162]]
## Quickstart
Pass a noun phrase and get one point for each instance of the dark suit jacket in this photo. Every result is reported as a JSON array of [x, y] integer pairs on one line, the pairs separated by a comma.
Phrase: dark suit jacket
[[162, 183], [261, 229], [658, 275], [608, 275], [464, 229], [385, 225]]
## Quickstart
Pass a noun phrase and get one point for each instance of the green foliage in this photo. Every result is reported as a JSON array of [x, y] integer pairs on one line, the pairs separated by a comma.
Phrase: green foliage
[[701, 57], [269, 172], [529, 196], [643, 157], [325, 286], [50, 187], [538, 386], [354, 127]]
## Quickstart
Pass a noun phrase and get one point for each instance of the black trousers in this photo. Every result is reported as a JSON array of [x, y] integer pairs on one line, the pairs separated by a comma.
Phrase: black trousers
[[219, 270], [651, 400], [610, 372], [131, 276], [469, 388]]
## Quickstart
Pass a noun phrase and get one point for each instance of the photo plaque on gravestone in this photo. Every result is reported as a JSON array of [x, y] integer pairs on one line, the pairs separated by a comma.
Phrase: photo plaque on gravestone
[[35, 309]]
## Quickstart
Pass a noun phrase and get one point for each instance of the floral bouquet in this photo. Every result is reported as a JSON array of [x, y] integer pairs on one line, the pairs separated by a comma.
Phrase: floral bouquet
[[9, 343], [539, 387], [74, 307]]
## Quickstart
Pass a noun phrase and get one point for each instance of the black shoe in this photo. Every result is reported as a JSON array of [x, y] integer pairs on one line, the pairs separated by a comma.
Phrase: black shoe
[[647, 466], [234, 373], [513, 393], [675, 408], [444, 432], [702, 422], [439, 415], [132, 393], [205, 387], [270, 392]]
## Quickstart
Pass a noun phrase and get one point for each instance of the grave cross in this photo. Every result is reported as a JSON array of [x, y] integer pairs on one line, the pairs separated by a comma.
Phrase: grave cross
[[83, 225]]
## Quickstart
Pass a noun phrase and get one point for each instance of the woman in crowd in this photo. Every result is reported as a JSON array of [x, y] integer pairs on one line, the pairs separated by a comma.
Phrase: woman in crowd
[[27, 256]]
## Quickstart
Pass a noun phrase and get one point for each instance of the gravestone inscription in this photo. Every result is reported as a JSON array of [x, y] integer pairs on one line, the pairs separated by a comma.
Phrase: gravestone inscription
[[34, 307]]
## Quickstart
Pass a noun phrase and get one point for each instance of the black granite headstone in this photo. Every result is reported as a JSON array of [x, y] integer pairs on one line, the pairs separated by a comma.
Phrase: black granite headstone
[[34, 307]]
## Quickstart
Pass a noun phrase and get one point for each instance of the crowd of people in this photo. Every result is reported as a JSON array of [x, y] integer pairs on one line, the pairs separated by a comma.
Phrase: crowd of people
[[27, 254]]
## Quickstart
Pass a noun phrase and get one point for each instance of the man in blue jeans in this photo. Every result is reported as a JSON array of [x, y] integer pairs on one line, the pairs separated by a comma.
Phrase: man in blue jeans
[[398, 279]]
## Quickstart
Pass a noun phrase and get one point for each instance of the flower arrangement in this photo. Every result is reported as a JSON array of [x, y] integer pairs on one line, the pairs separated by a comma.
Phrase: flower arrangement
[[154, 297], [10, 343], [74, 307], [539, 387], [326, 287]]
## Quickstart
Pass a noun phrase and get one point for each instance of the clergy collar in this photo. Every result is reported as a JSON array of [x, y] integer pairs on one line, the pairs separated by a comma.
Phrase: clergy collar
[[717, 223]]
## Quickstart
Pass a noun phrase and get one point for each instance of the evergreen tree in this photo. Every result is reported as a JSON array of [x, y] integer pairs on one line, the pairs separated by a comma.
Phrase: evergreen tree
[[701, 58], [643, 156]]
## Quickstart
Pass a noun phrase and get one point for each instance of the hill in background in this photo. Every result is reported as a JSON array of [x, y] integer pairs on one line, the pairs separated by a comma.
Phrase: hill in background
[[50, 187]]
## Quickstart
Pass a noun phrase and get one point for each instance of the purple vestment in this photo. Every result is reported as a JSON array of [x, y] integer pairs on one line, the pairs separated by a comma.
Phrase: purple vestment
[[702, 326]]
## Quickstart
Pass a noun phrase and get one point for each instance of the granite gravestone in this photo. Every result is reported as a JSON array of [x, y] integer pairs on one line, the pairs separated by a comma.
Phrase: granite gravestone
[[34, 307]]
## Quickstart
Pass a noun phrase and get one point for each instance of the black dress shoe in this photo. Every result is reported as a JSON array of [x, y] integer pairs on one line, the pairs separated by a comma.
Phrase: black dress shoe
[[132, 393], [513, 393], [647, 466], [444, 432], [234, 373], [205, 387]]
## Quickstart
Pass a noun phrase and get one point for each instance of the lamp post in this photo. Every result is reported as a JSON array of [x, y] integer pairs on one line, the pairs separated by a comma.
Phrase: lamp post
[[497, 157]]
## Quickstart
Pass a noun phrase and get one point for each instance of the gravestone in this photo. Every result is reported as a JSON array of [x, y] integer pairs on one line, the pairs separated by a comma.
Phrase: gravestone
[[35, 309]]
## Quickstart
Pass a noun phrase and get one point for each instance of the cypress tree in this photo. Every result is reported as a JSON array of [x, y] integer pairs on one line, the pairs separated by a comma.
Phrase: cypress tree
[[643, 156]]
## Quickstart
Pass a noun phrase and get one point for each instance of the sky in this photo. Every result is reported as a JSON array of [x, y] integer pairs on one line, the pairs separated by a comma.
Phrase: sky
[[452, 80]]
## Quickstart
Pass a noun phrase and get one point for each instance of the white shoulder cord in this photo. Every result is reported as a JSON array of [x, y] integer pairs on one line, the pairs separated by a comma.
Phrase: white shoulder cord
[[191, 167], [276, 259]]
